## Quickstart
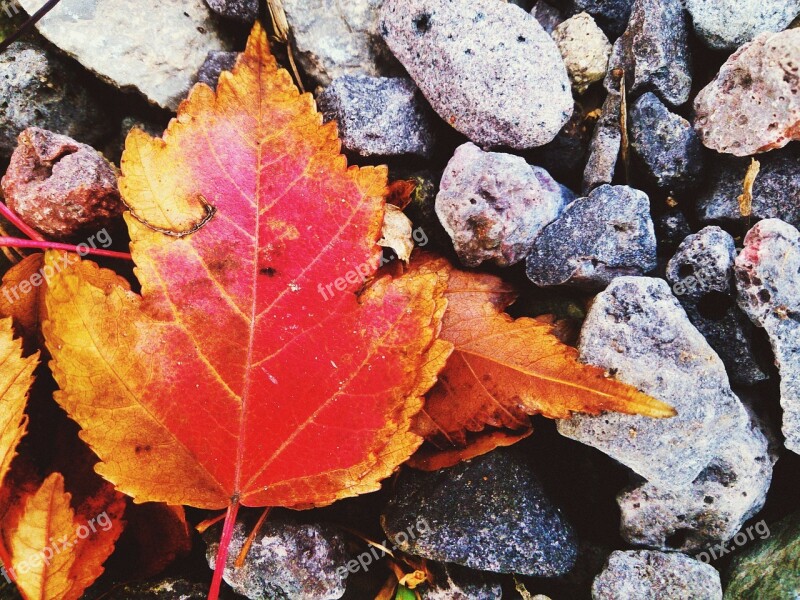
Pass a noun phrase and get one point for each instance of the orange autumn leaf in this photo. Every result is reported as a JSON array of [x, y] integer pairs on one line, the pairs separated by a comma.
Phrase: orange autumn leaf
[[22, 300], [431, 458], [503, 370], [241, 374], [16, 376], [56, 552]]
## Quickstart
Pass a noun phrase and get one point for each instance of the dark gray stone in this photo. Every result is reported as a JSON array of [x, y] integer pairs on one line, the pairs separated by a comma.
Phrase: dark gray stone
[[40, 89], [549, 16], [565, 155], [654, 51], [605, 145], [611, 15], [452, 582], [216, 62], [769, 292], [379, 116], [598, 238], [701, 275], [650, 575], [776, 191], [245, 11], [671, 229], [637, 330], [489, 513], [287, 561], [727, 24], [165, 589], [665, 144], [487, 67], [492, 205]]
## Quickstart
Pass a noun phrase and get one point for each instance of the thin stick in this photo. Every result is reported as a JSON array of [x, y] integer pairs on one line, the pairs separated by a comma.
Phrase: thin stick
[[250, 539], [17, 222], [44, 245], [32, 20], [224, 546]]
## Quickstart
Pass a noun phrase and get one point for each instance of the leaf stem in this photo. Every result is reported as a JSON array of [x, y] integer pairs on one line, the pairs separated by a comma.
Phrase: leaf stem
[[17, 222], [224, 545], [25, 27], [45, 245]]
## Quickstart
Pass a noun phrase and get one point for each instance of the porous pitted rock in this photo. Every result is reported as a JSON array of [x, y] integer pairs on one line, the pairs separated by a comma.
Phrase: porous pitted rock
[[654, 51], [64, 189], [701, 275], [379, 116], [156, 51], [708, 511], [753, 104], [665, 144], [40, 89], [611, 15], [769, 292], [776, 191], [651, 575], [604, 148], [493, 205], [332, 39], [489, 513], [727, 24], [769, 568], [585, 50], [245, 11], [637, 330], [487, 67], [286, 561], [597, 238], [216, 62], [451, 582]]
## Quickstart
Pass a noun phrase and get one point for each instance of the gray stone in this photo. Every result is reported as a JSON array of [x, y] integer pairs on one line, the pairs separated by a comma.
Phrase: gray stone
[[585, 50], [597, 238], [379, 116], [40, 89], [566, 154], [654, 51], [611, 15], [287, 561], [649, 575], [493, 205], [769, 292], [488, 68], [169, 588], [216, 62], [637, 330], [245, 11], [727, 24], [671, 229], [665, 144], [333, 38], [605, 145], [776, 191], [753, 104], [701, 275], [549, 16], [452, 582], [489, 513], [708, 511], [156, 51]]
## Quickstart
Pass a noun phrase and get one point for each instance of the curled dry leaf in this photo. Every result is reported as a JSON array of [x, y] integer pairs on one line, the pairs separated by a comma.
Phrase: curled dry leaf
[[232, 379], [503, 370]]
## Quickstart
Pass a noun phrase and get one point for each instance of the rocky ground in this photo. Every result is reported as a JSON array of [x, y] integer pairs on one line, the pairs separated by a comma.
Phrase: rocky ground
[[586, 150]]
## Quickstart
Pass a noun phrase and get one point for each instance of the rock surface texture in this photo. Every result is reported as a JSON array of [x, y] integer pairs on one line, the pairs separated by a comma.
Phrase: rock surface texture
[[753, 104], [379, 116], [654, 51], [649, 575], [585, 50], [597, 238], [493, 205], [245, 11], [332, 39], [155, 51], [489, 513], [486, 67], [727, 24], [40, 89], [769, 292]]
